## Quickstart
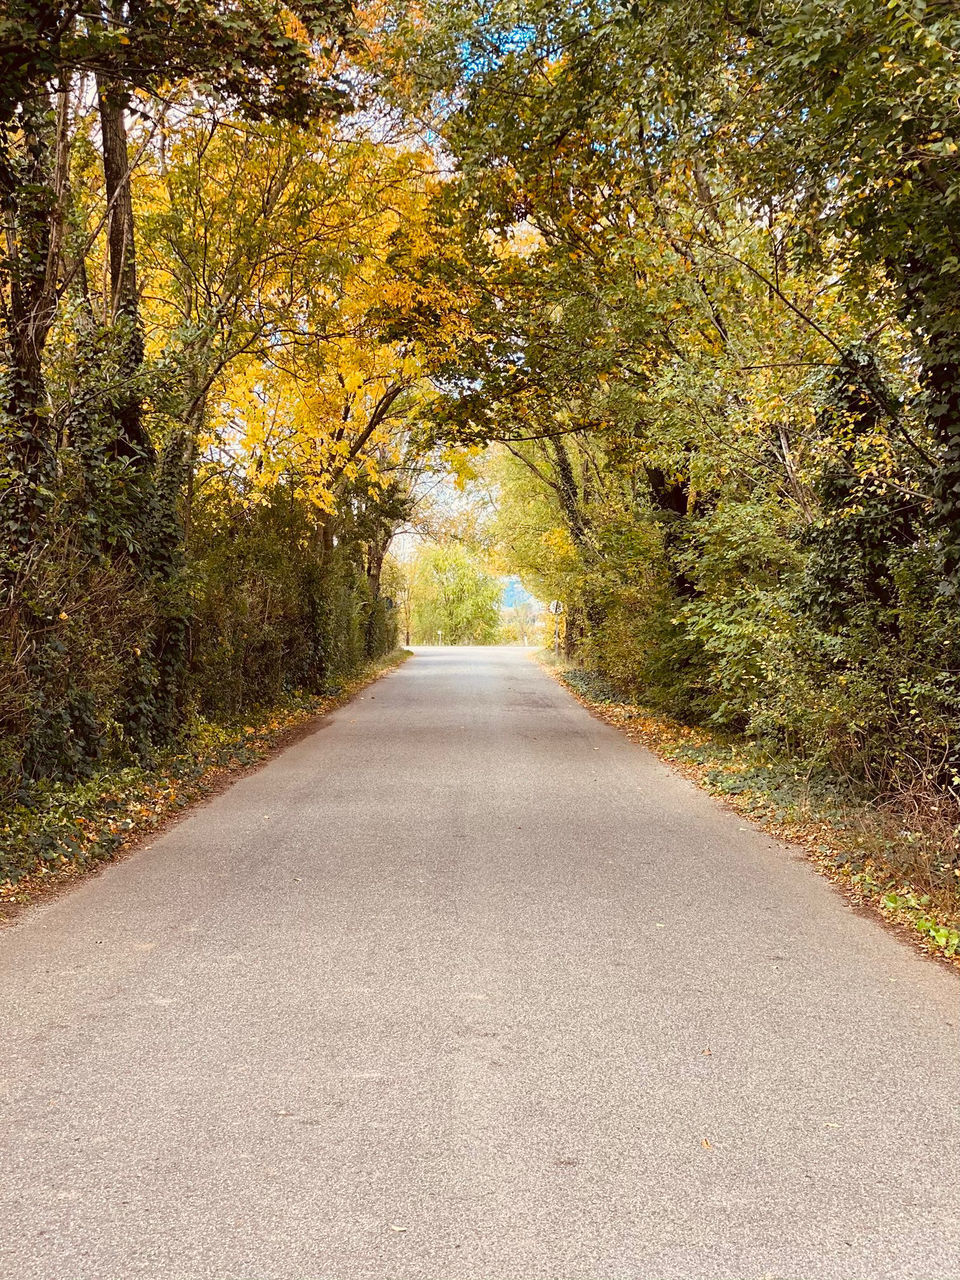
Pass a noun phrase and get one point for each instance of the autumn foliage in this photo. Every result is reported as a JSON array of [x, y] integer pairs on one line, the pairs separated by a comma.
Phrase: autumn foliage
[[676, 285]]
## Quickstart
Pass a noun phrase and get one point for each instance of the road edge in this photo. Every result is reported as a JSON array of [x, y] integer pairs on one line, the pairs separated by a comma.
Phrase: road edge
[[861, 890], [175, 802]]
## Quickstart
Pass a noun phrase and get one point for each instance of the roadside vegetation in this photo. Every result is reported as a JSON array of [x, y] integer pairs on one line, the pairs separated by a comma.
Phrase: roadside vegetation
[[673, 286]]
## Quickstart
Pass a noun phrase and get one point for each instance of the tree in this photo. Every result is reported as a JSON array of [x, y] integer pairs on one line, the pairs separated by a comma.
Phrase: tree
[[211, 372], [248, 56], [454, 600], [96, 447], [696, 337]]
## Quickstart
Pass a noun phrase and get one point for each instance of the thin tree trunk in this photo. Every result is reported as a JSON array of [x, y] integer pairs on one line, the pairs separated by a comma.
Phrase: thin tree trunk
[[33, 194], [112, 102], [132, 439]]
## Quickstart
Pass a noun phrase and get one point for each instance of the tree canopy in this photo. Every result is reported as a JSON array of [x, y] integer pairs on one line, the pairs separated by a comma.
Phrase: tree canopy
[[673, 286]]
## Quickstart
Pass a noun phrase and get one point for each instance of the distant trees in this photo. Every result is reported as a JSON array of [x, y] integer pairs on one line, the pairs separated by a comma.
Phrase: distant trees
[[519, 624], [454, 600]]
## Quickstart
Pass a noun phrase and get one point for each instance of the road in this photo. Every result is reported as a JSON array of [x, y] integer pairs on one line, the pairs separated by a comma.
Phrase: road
[[466, 986]]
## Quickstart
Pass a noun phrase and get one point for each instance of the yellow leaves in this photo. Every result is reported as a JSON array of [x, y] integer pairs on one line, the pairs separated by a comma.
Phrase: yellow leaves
[[410, 367], [558, 544], [308, 245], [295, 29], [459, 462]]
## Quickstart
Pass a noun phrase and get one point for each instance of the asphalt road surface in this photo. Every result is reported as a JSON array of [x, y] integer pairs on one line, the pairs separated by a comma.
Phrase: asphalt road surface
[[466, 986]]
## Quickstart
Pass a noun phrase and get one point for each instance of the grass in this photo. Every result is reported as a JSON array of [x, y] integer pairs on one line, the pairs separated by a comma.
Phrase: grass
[[64, 830], [897, 866]]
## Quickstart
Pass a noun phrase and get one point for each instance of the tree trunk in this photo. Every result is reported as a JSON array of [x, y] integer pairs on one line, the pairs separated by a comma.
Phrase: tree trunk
[[569, 497], [33, 193], [132, 440], [571, 620]]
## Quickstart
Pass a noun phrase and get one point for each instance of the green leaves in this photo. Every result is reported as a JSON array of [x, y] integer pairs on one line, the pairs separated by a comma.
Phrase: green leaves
[[454, 600]]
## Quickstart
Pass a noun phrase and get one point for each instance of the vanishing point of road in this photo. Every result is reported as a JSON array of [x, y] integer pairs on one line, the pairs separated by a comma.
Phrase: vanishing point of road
[[466, 986]]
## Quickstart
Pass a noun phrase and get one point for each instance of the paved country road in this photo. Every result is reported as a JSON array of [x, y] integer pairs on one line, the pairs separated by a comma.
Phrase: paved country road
[[461, 987]]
